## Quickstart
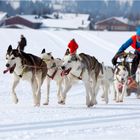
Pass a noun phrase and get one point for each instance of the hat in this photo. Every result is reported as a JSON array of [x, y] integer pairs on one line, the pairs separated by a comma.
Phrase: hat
[[138, 32], [72, 46]]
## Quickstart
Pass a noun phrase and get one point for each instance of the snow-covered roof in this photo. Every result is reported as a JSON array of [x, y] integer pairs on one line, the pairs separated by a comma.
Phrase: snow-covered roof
[[18, 26], [73, 16], [67, 23], [68, 16], [2, 15], [121, 19], [31, 18]]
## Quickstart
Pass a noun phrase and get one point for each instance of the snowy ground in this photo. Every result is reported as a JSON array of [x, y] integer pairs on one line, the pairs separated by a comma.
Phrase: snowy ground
[[73, 120]]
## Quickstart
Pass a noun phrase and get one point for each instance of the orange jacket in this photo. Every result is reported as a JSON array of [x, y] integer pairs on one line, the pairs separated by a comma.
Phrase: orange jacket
[[134, 43]]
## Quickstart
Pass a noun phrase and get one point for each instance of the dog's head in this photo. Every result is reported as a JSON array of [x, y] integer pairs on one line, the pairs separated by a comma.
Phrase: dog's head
[[70, 63], [46, 56], [12, 58], [121, 73]]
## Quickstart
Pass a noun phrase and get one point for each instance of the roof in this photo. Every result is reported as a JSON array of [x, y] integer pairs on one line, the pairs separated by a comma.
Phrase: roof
[[73, 16], [2, 15], [31, 18], [67, 21], [67, 24], [18, 26], [121, 19]]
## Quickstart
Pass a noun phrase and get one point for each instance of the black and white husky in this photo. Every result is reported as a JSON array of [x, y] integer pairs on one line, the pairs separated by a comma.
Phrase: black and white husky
[[27, 67], [86, 68], [120, 82]]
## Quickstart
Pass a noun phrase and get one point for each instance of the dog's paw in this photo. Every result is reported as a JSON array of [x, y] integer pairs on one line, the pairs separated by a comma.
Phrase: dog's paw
[[61, 102], [121, 100], [15, 100], [46, 103], [37, 105]]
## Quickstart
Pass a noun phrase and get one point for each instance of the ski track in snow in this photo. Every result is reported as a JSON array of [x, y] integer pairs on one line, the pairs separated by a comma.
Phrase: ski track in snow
[[96, 40]]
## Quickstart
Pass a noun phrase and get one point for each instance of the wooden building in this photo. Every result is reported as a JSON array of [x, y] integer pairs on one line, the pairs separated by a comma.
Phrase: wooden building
[[25, 20], [115, 24]]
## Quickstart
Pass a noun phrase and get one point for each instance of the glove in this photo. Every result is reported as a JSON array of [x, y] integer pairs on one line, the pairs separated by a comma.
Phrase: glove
[[114, 60]]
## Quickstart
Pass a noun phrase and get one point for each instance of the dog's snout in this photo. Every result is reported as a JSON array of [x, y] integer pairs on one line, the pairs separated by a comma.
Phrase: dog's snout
[[7, 65], [63, 67], [122, 79]]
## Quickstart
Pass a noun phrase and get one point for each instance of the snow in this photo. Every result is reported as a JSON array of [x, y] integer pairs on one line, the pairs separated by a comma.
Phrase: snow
[[113, 121], [67, 21]]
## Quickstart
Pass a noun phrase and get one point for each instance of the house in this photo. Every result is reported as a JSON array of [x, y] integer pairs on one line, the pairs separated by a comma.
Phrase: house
[[68, 21], [3, 16], [115, 24], [30, 21]]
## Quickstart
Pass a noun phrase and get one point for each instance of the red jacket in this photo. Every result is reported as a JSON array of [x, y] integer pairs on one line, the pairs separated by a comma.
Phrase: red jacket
[[134, 43], [72, 46]]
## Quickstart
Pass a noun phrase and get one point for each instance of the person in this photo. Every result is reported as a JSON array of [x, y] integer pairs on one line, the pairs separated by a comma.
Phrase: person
[[22, 43], [72, 46], [134, 42]]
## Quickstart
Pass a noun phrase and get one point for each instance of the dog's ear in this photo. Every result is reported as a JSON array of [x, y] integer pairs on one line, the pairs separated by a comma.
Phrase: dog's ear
[[43, 51], [50, 53], [52, 58], [9, 48]]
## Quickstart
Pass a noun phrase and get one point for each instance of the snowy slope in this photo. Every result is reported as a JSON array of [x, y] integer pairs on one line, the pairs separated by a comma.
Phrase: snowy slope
[[73, 120]]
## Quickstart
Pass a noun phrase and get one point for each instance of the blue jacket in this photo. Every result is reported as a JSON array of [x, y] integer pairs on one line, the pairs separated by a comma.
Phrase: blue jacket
[[127, 44]]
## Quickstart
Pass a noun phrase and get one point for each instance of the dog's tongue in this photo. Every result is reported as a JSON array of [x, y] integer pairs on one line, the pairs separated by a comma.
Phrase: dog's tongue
[[5, 71], [62, 73]]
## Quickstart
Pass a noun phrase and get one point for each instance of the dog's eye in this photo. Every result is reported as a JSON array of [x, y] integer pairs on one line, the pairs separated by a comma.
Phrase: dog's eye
[[69, 61], [12, 58]]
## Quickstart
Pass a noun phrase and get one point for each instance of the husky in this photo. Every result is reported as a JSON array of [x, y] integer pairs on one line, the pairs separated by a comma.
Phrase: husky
[[107, 81], [120, 82], [26, 67], [53, 73], [86, 68]]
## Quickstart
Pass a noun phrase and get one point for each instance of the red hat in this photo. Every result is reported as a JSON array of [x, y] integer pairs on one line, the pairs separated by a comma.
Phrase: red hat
[[72, 46]]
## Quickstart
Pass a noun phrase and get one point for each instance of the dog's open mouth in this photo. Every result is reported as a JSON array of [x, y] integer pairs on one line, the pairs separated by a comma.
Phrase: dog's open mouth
[[65, 72], [10, 69]]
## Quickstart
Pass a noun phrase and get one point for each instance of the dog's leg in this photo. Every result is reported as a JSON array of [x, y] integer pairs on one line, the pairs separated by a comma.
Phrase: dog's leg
[[48, 91], [38, 92], [64, 93], [123, 92], [88, 94], [106, 91], [114, 91], [117, 92], [34, 89], [95, 89], [59, 96], [15, 83]]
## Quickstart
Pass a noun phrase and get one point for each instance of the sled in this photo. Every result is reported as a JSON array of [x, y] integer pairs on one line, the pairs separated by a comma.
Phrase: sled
[[133, 87]]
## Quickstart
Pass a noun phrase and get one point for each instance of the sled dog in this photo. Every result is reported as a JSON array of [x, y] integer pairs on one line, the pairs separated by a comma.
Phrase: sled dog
[[53, 73], [120, 81], [107, 81], [26, 67], [86, 68]]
